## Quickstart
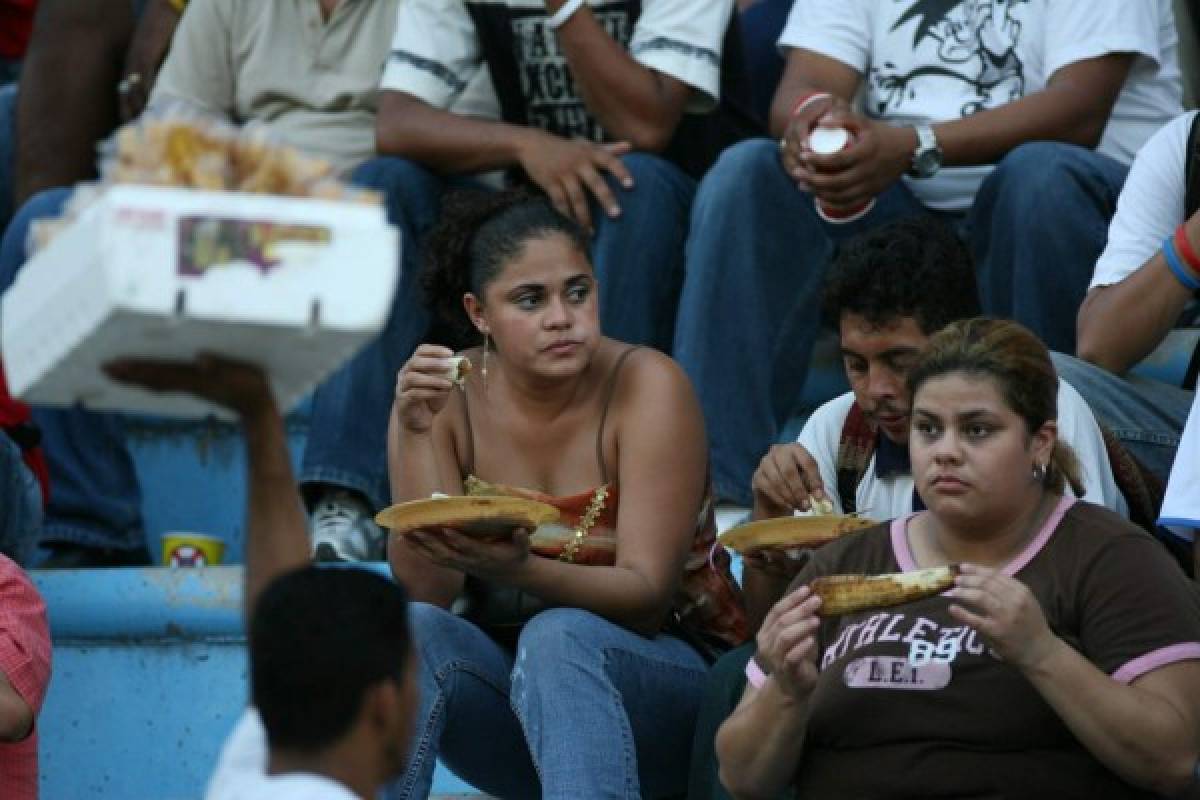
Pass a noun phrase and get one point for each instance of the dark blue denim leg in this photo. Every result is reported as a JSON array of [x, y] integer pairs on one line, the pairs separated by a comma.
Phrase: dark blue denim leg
[[8, 148], [95, 499], [1039, 223], [750, 309], [346, 443], [639, 255], [1147, 416]]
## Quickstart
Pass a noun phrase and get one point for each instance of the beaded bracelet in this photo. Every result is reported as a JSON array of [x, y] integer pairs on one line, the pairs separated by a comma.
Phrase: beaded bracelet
[[1181, 272]]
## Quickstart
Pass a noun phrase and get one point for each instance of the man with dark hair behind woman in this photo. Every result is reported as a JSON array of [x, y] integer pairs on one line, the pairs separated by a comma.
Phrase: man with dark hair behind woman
[[574, 666], [331, 665]]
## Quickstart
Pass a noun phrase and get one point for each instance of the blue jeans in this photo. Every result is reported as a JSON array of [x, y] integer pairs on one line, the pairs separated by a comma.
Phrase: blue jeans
[[1147, 416], [757, 255], [639, 263], [584, 709], [20, 504], [96, 499]]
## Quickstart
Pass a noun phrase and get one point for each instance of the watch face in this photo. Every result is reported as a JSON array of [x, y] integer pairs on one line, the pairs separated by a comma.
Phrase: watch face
[[927, 162]]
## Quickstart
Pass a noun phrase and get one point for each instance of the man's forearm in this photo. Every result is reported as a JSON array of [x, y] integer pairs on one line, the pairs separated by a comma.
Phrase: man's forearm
[[276, 527], [1121, 324], [632, 102], [1074, 108], [447, 143]]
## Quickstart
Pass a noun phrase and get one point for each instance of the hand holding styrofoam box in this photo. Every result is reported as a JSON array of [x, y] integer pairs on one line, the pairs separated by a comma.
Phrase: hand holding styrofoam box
[[295, 285]]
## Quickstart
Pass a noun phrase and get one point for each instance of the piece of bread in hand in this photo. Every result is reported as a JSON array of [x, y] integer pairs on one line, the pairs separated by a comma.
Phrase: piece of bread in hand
[[460, 367]]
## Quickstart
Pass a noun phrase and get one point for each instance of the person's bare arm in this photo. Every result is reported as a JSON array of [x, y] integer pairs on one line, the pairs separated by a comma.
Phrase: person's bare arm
[[1074, 107], [276, 527], [1148, 731], [422, 461], [804, 73], [1120, 324], [16, 716], [759, 746], [566, 169], [151, 40], [632, 102], [67, 100]]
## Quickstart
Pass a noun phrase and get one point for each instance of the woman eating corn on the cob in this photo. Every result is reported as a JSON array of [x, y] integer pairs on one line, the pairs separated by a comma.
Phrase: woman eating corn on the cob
[[1064, 662]]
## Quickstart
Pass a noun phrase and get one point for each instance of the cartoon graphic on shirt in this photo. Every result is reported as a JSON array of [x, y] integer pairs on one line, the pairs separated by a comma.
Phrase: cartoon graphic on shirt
[[975, 42]]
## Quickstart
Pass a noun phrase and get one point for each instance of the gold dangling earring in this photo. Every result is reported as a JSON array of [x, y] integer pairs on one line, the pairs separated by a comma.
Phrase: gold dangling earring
[[483, 369]]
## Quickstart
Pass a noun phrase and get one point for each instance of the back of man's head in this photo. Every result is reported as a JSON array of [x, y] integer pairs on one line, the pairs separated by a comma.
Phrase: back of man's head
[[914, 267], [320, 637]]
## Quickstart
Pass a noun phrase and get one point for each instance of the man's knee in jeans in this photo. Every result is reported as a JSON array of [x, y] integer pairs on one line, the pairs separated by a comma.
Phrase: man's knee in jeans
[[20, 504], [13, 253], [740, 168], [1043, 178]]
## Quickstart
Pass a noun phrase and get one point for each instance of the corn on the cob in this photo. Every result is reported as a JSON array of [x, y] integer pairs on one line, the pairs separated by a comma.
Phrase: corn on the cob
[[844, 594]]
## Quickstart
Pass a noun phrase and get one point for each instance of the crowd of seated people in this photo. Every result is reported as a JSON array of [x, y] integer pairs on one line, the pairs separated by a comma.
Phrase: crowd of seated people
[[614, 210]]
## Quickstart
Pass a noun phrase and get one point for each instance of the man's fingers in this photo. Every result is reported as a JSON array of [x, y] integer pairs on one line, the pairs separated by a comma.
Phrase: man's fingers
[[577, 200], [157, 376], [610, 160], [599, 189], [558, 199]]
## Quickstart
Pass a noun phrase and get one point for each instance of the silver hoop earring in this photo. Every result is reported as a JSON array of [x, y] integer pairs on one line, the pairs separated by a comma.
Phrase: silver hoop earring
[[1039, 473]]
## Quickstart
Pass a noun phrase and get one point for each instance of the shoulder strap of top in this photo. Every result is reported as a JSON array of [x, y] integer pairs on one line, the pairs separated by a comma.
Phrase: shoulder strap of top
[[609, 391]]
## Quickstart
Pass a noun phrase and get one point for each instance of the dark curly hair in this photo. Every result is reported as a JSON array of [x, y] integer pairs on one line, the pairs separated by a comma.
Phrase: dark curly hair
[[478, 233], [914, 267]]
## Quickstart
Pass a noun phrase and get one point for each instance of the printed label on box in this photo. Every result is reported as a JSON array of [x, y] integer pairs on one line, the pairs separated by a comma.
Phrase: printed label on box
[[210, 242]]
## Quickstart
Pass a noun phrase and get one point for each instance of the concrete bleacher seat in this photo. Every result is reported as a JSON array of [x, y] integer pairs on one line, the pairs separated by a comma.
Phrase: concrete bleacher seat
[[149, 678]]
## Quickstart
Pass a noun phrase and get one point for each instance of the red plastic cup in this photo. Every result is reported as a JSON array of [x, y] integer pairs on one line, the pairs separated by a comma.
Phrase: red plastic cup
[[827, 141]]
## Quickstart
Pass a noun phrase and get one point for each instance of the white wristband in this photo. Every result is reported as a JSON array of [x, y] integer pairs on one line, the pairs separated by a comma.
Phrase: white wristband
[[754, 674], [564, 13]]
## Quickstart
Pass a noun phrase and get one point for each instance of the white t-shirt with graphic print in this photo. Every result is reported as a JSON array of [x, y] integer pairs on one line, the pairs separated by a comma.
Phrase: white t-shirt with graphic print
[[888, 498], [923, 62], [437, 49]]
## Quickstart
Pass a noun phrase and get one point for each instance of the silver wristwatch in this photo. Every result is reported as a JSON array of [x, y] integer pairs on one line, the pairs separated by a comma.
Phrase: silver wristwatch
[[927, 157]]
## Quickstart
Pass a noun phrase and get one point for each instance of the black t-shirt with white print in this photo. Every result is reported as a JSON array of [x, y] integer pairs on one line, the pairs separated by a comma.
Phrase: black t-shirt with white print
[[439, 45], [910, 703]]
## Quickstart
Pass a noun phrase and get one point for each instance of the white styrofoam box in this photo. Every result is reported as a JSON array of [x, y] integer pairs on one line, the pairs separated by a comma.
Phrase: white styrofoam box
[[295, 285]]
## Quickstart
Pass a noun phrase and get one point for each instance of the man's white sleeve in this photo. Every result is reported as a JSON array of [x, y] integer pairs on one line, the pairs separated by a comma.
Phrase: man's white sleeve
[[435, 51], [1076, 31], [683, 39], [838, 29], [198, 74], [821, 436], [1077, 427], [1150, 206]]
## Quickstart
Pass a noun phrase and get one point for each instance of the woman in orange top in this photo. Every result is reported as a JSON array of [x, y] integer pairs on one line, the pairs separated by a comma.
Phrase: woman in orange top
[[573, 669]]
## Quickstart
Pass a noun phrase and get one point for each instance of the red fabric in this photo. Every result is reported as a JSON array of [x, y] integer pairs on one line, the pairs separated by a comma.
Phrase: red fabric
[[16, 26], [13, 413], [25, 661]]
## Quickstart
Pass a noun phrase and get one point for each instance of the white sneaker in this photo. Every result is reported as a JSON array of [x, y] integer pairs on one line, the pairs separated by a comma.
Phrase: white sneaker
[[342, 529]]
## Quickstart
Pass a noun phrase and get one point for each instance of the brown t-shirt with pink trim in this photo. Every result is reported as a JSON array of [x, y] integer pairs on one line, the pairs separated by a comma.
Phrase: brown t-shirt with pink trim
[[911, 704]]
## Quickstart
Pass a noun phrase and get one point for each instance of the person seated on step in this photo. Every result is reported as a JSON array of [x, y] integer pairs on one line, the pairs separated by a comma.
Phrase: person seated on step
[[1064, 661], [1147, 280], [611, 611], [888, 291], [332, 668]]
